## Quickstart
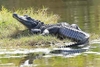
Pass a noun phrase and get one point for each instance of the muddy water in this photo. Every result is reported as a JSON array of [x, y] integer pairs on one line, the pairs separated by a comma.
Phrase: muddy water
[[85, 13]]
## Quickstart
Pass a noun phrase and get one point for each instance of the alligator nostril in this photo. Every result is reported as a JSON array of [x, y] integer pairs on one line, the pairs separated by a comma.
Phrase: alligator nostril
[[14, 14]]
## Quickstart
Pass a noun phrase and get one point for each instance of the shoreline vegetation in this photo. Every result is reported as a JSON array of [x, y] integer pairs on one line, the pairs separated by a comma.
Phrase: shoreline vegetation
[[15, 35]]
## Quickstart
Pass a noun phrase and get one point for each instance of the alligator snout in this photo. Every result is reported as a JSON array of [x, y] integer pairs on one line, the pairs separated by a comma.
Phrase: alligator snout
[[15, 15]]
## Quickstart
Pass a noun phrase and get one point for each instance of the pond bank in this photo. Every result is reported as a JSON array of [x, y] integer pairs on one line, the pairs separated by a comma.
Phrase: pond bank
[[13, 34]]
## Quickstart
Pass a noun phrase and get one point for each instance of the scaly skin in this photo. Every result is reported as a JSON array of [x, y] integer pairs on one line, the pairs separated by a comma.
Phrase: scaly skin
[[63, 29], [27, 21]]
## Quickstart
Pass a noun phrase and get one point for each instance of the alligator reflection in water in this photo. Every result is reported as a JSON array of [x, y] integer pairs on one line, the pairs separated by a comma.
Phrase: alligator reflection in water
[[67, 51], [29, 59]]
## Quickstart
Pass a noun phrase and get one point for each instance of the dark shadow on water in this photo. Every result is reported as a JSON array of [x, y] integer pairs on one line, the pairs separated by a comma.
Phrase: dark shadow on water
[[67, 51], [29, 59]]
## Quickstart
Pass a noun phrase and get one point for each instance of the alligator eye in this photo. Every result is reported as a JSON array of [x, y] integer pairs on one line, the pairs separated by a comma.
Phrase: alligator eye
[[25, 15]]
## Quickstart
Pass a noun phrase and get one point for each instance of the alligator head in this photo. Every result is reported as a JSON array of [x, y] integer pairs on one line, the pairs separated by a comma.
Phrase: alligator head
[[26, 20]]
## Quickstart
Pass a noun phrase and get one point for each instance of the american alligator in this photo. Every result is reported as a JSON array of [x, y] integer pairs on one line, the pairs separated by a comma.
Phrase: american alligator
[[62, 29]]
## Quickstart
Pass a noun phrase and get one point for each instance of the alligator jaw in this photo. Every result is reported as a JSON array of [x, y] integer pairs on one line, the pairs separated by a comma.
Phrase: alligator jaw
[[26, 21], [19, 18]]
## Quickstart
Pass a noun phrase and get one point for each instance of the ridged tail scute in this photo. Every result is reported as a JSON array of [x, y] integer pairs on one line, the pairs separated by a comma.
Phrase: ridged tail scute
[[77, 35]]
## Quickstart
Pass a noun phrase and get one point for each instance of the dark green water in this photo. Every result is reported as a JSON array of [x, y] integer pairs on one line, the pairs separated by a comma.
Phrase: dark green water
[[85, 13]]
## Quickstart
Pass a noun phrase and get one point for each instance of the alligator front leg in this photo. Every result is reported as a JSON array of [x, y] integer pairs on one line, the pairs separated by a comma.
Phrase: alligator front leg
[[35, 31], [75, 26], [54, 30]]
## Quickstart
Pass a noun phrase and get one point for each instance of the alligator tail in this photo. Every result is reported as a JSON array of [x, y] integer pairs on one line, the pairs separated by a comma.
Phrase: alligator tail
[[78, 44], [80, 37]]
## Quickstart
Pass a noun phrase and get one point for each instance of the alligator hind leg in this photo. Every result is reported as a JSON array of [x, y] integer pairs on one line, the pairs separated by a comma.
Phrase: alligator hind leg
[[35, 31], [75, 26]]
